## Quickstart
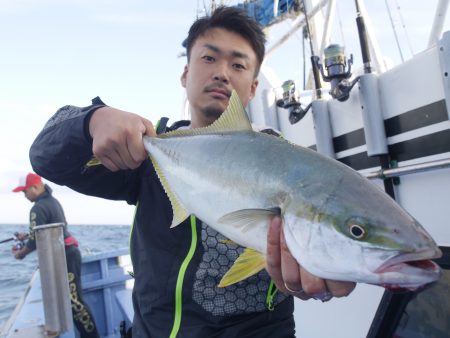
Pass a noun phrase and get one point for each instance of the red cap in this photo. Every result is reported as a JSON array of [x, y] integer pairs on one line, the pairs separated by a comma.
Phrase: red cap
[[28, 181]]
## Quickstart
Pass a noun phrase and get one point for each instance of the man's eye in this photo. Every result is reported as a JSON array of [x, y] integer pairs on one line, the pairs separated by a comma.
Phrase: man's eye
[[208, 58], [239, 66]]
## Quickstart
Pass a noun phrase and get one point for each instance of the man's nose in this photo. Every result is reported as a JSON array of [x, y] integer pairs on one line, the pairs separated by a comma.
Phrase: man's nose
[[221, 73]]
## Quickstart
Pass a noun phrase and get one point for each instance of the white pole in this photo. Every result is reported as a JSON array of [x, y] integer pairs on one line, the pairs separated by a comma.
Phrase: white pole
[[275, 8], [329, 18], [438, 22]]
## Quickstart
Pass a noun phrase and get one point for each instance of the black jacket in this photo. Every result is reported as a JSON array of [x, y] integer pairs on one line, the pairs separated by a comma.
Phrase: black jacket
[[160, 254], [46, 210]]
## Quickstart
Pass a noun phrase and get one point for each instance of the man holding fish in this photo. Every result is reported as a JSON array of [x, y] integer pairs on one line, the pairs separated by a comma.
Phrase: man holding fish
[[188, 230]]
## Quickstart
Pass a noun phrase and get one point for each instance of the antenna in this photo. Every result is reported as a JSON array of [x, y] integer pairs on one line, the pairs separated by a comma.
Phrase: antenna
[[395, 31]]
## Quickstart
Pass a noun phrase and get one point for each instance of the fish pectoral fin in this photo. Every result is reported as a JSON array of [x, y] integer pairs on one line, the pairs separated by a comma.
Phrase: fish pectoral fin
[[249, 218], [179, 211], [248, 263]]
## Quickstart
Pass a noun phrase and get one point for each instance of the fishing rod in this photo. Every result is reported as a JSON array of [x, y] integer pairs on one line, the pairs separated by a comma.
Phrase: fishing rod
[[315, 69], [8, 239], [383, 155], [291, 100], [20, 242]]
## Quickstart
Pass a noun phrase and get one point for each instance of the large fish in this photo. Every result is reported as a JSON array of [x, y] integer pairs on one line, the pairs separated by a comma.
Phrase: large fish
[[336, 223]]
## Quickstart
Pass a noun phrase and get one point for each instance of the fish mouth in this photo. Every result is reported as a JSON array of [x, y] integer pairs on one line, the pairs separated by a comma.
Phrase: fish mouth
[[420, 263], [420, 259]]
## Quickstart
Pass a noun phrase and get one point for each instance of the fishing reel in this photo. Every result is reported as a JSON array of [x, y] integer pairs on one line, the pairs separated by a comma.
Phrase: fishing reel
[[19, 243], [337, 74], [291, 102]]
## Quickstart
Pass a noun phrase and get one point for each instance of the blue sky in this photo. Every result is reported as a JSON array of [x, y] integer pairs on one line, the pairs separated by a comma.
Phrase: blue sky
[[55, 53]]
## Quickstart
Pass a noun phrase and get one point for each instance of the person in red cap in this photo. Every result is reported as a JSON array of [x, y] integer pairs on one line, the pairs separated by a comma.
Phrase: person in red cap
[[47, 210]]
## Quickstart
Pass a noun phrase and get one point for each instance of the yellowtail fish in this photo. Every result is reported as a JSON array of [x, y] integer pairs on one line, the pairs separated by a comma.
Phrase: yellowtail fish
[[337, 224]]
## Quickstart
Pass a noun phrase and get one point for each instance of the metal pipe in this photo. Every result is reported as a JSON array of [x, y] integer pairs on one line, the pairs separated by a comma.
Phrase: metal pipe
[[438, 22], [294, 28], [54, 280], [409, 169]]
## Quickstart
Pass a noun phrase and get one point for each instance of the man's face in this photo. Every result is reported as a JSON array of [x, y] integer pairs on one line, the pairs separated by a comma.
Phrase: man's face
[[31, 193], [220, 61]]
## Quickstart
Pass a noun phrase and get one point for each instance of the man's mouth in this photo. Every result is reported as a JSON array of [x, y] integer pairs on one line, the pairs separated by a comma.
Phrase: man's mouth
[[219, 91]]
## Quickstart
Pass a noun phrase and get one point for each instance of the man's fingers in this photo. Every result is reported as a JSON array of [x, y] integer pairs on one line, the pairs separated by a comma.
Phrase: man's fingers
[[22, 236], [277, 264], [297, 278], [125, 158], [289, 268], [273, 252], [290, 277], [313, 286], [117, 138], [340, 289], [108, 163], [135, 144]]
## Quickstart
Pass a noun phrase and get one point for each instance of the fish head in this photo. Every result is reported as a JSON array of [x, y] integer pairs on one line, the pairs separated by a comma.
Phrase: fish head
[[358, 233]]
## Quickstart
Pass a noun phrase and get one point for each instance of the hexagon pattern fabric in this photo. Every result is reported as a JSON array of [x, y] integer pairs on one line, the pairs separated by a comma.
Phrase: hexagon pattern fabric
[[247, 296]]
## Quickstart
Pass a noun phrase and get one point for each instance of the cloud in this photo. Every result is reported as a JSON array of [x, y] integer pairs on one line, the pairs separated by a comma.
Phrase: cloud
[[19, 125]]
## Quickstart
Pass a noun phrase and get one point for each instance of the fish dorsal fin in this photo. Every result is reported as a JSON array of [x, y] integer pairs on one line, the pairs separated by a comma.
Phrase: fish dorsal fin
[[234, 118], [247, 264], [179, 211]]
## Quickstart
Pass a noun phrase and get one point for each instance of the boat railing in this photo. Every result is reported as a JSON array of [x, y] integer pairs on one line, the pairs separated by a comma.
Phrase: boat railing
[[408, 169]]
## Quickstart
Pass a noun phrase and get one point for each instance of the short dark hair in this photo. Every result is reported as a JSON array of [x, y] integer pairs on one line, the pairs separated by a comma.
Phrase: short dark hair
[[232, 19]]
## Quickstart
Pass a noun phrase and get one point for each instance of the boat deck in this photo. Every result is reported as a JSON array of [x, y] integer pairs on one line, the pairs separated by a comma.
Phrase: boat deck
[[107, 286], [28, 317]]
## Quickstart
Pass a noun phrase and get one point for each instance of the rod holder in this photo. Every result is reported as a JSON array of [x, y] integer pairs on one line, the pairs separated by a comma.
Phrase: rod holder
[[54, 280], [322, 128], [372, 114]]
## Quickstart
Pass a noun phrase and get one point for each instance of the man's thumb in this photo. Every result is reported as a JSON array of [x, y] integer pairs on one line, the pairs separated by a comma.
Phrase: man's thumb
[[149, 128]]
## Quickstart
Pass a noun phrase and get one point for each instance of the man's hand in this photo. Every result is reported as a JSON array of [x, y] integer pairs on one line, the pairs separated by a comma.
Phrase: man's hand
[[291, 278], [21, 236], [117, 138], [21, 253]]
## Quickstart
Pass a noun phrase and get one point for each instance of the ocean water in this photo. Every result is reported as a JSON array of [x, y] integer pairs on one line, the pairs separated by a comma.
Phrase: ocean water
[[15, 274]]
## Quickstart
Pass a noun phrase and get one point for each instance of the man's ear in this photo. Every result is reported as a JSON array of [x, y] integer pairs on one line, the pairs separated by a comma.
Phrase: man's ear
[[253, 88], [183, 76]]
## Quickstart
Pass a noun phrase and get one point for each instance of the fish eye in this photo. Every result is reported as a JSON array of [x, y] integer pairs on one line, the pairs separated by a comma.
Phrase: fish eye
[[357, 231]]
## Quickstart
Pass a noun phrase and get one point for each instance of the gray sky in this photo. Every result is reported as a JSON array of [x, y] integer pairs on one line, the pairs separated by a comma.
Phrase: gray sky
[[55, 53]]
